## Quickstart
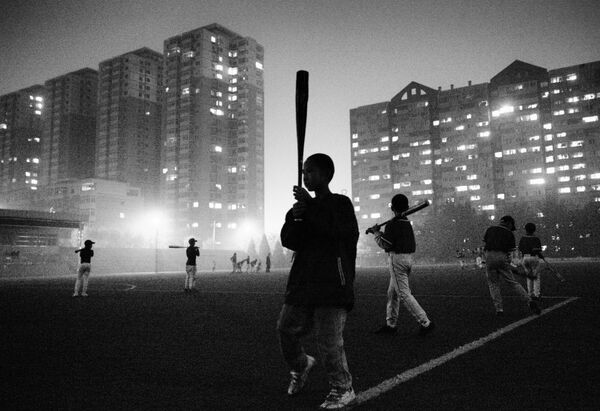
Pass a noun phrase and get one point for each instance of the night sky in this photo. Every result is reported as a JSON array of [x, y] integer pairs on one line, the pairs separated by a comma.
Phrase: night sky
[[358, 52]]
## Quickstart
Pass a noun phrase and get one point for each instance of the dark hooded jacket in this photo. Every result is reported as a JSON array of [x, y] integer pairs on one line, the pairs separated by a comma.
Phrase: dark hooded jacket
[[322, 274]]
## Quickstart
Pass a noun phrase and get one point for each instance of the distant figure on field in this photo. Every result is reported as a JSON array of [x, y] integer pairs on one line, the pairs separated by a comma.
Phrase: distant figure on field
[[214, 266], [499, 244], [234, 263], [190, 265], [268, 263], [85, 268]]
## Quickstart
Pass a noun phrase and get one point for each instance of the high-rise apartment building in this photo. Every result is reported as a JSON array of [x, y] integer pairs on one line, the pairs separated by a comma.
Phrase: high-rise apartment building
[[21, 128], [528, 136], [68, 143], [128, 133], [213, 148], [572, 145]]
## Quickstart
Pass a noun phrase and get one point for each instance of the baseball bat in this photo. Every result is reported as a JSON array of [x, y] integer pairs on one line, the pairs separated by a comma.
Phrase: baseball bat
[[406, 213], [177, 246], [301, 112]]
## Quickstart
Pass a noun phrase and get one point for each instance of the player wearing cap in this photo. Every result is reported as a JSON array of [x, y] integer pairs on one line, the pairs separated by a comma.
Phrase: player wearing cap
[[399, 242], [499, 243], [85, 267], [190, 265]]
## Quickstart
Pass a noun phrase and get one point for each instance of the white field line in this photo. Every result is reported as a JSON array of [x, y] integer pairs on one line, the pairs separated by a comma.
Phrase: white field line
[[407, 375]]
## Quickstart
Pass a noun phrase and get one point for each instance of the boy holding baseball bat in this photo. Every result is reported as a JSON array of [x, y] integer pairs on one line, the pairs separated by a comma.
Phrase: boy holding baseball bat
[[190, 265], [323, 233], [399, 242]]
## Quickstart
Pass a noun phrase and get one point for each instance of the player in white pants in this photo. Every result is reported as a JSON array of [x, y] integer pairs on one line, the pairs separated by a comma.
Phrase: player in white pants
[[83, 273], [530, 248], [399, 241]]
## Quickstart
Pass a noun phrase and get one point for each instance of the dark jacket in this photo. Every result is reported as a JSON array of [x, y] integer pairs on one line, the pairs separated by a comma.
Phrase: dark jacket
[[399, 236], [499, 238], [323, 270], [530, 244]]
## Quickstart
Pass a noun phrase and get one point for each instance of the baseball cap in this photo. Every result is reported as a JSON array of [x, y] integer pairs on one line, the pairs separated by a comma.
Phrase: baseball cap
[[89, 242], [192, 241]]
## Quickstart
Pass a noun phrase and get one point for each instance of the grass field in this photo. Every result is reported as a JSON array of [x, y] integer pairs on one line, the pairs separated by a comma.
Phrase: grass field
[[138, 342]]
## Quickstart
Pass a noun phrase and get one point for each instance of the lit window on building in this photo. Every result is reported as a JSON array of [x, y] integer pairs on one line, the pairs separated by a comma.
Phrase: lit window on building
[[259, 65], [579, 177], [503, 110], [385, 139], [374, 196], [578, 166], [589, 119], [536, 170], [537, 181], [595, 176], [558, 112], [500, 196], [589, 96], [579, 154], [483, 134], [550, 170], [374, 178], [475, 198], [375, 215], [549, 159], [425, 162], [571, 77], [580, 189], [461, 188], [547, 126], [563, 168], [475, 187], [564, 190], [436, 122], [459, 128], [488, 207], [417, 193], [564, 179], [195, 204], [394, 139], [355, 144]]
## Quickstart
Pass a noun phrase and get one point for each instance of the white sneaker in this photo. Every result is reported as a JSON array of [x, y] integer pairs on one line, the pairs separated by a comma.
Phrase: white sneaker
[[299, 378], [84, 294], [337, 399], [75, 295]]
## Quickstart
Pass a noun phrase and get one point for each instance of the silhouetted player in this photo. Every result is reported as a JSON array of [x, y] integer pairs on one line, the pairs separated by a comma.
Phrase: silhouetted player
[[323, 232]]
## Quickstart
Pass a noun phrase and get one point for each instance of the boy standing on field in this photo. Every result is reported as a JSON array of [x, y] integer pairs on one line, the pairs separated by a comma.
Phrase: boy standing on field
[[85, 267], [399, 242], [530, 248], [323, 233], [190, 265]]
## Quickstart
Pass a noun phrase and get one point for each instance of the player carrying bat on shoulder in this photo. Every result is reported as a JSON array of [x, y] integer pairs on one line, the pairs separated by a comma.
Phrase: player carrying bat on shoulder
[[398, 241], [190, 265]]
